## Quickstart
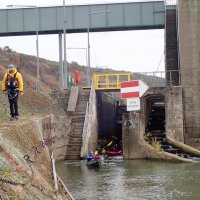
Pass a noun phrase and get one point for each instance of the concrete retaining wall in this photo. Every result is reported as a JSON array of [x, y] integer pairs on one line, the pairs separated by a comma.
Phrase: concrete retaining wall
[[90, 129], [189, 39], [55, 131], [174, 113]]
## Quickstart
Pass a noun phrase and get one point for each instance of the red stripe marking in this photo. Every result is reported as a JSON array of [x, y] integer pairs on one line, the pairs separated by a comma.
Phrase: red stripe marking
[[129, 95], [129, 84]]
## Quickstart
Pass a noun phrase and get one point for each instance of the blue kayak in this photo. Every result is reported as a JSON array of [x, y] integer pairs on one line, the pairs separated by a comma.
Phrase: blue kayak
[[93, 163]]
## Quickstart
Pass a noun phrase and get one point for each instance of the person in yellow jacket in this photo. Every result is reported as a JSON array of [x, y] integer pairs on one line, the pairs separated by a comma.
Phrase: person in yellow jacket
[[12, 84]]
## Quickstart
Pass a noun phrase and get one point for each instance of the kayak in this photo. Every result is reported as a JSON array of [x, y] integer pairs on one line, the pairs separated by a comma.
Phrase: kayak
[[114, 153], [93, 163]]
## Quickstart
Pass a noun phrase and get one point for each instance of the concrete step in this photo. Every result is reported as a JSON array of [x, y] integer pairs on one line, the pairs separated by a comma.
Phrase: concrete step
[[72, 157], [75, 138], [76, 131], [78, 119], [81, 105], [75, 149], [77, 112], [76, 143], [80, 110], [77, 127]]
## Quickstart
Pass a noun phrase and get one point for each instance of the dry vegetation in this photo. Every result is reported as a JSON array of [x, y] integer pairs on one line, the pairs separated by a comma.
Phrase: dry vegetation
[[49, 70]]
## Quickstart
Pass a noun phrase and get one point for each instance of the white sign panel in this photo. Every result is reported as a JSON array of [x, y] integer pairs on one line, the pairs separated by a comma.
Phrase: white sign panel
[[133, 104], [143, 87]]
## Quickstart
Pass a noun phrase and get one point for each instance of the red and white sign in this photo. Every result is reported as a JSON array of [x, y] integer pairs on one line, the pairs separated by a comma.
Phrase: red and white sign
[[129, 89], [133, 89]]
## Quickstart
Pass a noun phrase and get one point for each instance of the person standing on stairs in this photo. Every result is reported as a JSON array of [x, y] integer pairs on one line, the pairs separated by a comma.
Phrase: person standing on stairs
[[12, 84]]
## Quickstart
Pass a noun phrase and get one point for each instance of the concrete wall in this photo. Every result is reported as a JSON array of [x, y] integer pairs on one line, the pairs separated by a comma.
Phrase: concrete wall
[[189, 37], [134, 145], [132, 136], [26, 138], [90, 129], [55, 131], [174, 113], [72, 100]]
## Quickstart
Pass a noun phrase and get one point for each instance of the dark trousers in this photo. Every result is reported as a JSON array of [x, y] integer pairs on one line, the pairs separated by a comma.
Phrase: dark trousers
[[14, 105]]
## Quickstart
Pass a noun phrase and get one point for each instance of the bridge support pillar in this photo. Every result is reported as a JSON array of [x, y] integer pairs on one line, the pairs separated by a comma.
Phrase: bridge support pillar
[[61, 84]]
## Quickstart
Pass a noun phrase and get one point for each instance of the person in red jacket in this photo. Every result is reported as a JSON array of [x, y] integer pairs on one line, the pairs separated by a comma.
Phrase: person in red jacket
[[76, 77]]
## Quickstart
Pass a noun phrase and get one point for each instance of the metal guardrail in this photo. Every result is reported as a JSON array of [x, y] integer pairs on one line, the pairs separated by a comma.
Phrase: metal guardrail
[[173, 77], [160, 78], [152, 79], [160, 74], [110, 81], [171, 2]]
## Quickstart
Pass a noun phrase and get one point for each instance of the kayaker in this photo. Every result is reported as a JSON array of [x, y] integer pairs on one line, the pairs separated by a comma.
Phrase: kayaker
[[90, 156]]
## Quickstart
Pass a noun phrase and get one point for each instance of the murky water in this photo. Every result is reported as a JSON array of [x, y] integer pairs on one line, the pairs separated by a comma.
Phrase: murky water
[[132, 180]]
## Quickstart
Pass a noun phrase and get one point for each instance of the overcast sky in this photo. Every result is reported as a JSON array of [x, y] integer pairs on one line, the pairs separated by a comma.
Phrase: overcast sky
[[135, 51]]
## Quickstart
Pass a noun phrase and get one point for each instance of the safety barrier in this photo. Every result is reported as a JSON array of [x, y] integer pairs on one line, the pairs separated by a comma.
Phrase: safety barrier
[[112, 81], [109, 81], [171, 2]]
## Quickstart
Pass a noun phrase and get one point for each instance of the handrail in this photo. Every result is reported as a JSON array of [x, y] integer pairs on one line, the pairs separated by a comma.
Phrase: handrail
[[110, 81], [173, 77], [169, 77], [171, 2], [57, 177]]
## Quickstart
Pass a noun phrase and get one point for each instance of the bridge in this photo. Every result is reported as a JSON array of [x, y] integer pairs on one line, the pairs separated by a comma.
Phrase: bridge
[[120, 16]]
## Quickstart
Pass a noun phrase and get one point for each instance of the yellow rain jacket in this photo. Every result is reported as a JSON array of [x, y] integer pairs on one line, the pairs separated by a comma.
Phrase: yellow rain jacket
[[18, 78]]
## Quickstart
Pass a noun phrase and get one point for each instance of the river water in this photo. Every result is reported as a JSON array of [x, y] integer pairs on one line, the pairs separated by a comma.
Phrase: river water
[[131, 180]]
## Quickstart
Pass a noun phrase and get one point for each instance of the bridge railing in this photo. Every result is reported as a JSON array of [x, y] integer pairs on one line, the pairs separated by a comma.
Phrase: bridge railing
[[173, 77], [110, 81], [171, 2], [152, 79], [104, 81]]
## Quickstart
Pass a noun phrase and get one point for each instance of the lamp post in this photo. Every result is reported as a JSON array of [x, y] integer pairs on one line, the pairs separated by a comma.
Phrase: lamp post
[[37, 44], [64, 46], [88, 34]]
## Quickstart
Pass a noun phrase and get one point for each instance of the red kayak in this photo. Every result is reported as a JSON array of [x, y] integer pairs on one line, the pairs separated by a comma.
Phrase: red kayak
[[114, 153]]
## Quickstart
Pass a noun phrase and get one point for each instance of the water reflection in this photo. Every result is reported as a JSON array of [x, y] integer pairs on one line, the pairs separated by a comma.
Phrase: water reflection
[[131, 180]]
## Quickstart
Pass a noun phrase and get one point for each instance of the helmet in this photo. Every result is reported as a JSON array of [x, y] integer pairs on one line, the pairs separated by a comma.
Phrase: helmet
[[91, 151]]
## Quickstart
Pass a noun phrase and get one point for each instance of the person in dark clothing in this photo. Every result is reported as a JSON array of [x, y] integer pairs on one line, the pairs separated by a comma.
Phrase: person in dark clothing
[[12, 84]]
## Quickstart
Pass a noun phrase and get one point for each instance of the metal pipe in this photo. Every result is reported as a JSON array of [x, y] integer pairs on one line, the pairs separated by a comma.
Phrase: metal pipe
[[65, 51], [37, 43], [88, 35]]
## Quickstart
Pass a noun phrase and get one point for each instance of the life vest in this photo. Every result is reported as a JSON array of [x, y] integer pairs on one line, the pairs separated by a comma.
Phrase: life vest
[[12, 82]]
